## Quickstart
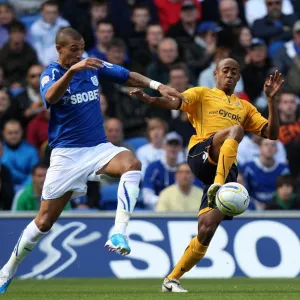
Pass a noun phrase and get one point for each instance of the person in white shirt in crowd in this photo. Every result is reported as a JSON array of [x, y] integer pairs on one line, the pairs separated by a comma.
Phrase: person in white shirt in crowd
[[182, 196], [42, 33], [161, 173], [257, 9], [249, 149], [156, 130]]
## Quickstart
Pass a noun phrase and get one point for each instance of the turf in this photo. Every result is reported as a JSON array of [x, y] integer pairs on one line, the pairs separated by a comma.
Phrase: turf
[[148, 289]]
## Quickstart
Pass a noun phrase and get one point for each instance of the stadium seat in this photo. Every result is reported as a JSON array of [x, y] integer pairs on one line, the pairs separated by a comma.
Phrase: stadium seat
[[109, 198], [136, 142], [29, 20]]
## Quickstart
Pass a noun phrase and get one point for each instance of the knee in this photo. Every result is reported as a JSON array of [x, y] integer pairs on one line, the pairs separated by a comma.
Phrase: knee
[[206, 230], [236, 132], [133, 165], [43, 223]]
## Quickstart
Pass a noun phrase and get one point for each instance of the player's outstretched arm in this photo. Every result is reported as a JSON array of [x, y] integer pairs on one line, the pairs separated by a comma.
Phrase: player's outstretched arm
[[161, 102], [57, 90], [271, 87], [138, 80]]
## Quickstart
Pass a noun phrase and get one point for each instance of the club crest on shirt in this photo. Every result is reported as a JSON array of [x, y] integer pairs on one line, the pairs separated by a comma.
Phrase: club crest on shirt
[[237, 104], [95, 80]]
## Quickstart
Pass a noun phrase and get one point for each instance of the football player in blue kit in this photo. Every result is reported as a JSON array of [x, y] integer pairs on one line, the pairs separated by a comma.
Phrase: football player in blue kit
[[81, 151]]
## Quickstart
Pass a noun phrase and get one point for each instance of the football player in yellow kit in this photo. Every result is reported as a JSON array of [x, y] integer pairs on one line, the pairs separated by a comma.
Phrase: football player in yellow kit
[[220, 119]]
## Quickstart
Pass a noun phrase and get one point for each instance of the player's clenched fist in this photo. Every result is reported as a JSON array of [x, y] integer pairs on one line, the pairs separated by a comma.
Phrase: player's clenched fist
[[88, 63]]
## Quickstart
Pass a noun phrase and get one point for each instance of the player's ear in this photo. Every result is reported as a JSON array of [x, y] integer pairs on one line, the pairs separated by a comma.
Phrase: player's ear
[[215, 73], [58, 48]]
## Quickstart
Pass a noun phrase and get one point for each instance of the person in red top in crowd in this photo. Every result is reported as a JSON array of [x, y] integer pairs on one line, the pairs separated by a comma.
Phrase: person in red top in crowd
[[37, 130], [169, 11]]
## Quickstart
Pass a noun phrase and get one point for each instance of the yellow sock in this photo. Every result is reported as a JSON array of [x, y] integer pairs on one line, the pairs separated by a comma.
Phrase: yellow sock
[[192, 255], [227, 157]]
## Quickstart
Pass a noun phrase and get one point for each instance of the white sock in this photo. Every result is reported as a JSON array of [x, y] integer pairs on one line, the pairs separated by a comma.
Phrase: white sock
[[128, 193], [28, 239]]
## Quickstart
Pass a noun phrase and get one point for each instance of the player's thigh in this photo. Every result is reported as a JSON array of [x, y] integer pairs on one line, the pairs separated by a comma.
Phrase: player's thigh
[[50, 210], [236, 132], [123, 162]]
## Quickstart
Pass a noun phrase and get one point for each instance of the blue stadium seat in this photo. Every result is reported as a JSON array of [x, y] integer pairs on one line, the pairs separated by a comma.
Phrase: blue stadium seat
[[29, 20], [136, 142], [109, 198]]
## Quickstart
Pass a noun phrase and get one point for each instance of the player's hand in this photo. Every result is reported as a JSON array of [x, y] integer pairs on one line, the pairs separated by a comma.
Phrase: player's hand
[[141, 95], [273, 85], [88, 63], [170, 93]]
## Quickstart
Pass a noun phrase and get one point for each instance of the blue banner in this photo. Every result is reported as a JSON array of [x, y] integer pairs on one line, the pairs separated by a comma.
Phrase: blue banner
[[75, 248]]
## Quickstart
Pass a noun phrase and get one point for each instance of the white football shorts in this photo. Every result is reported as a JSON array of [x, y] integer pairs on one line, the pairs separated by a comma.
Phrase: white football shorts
[[71, 168]]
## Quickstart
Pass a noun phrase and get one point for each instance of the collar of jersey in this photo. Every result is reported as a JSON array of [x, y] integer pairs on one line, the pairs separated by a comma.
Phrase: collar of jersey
[[222, 93]]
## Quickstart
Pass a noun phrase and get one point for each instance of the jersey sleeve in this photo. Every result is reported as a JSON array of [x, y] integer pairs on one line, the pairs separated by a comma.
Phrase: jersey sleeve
[[114, 73], [194, 96], [255, 122], [48, 78]]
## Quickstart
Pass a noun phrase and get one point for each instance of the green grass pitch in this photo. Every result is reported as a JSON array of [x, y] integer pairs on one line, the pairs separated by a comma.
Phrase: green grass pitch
[[148, 289]]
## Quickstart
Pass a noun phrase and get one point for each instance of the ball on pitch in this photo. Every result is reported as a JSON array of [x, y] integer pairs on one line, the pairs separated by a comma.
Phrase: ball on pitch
[[232, 199]]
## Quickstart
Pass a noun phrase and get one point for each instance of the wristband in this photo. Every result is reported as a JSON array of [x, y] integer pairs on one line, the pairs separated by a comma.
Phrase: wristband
[[154, 85]]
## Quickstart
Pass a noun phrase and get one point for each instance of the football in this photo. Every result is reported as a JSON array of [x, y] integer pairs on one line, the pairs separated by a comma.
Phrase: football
[[232, 199]]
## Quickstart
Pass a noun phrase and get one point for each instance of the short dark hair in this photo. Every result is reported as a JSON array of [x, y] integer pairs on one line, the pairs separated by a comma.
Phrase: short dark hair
[[98, 3], [180, 66], [16, 26], [117, 43], [181, 164], [285, 180], [12, 121], [68, 32], [39, 165], [49, 3], [141, 6], [105, 22]]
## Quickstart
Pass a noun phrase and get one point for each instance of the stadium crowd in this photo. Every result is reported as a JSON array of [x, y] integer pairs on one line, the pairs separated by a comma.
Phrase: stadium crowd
[[176, 42]]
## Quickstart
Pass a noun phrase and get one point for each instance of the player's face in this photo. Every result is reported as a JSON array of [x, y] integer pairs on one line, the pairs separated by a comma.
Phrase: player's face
[[71, 52], [12, 134], [268, 148], [227, 75], [38, 177], [184, 175]]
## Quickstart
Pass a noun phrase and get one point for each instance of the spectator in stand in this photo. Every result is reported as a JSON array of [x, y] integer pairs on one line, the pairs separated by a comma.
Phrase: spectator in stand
[[88, 28], [29, 101], [285, 197], [258, 67], [114, 133], [148, 52], [257, 9], [28, 199], [7, 15], [169, 11], [182, 196], [104, 34], [230, 23], [136, 32], [25, 8], [289, 131], [43, 32], [37, 130], [16, 56], [207, 78], [285, 58], [249, 149], [6, 185], [8, 109], [184, 31], [104, 106], [261, 173], [18, 155], [167, 55], [116, 53], [240, 51], [275, 28], [161, 173], [199, 54], [156, 130]]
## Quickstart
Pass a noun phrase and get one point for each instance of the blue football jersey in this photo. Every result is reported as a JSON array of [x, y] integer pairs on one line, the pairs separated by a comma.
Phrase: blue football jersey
[[76, 119]]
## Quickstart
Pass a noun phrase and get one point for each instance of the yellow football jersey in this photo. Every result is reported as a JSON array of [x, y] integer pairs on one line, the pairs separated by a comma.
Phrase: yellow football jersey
[[211, 110]]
